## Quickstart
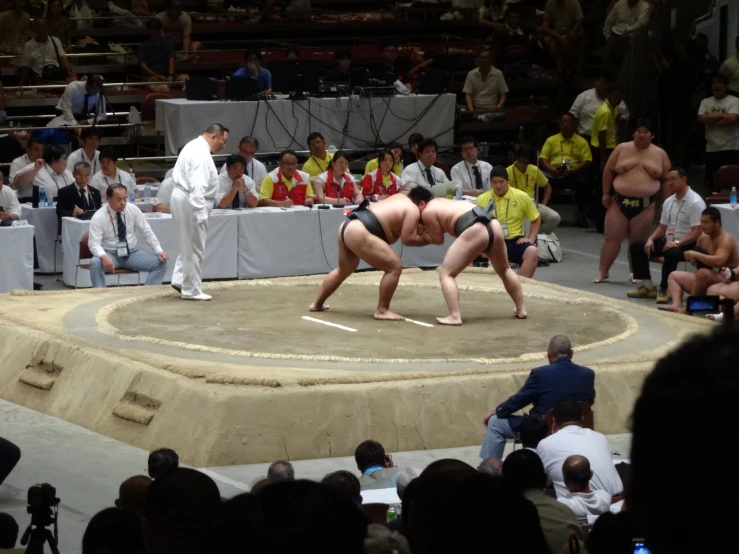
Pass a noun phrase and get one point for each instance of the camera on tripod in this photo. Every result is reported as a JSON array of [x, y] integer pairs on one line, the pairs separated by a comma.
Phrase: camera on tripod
[[43, 505]]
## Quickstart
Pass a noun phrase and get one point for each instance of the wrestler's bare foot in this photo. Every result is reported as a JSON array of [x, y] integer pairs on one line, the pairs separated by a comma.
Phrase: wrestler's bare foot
[[601, 279], [316, 308], [520, 313], [450, 320], [388, 315], [673, 309], [715, 317]]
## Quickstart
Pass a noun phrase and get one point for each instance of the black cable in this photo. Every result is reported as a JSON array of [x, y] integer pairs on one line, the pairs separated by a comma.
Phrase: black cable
[[297, 122], [292, 136], [254, 123], [320, 234]]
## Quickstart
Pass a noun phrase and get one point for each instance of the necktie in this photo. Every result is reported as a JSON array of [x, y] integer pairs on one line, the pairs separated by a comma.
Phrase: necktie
[[429, 177], [85, 105], [478, 177], [121, 228], [236, 204], [85, 199]]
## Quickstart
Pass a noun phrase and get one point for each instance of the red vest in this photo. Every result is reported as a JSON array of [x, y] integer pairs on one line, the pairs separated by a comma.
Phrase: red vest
[[280, 191], [377, 187], [334, 190]]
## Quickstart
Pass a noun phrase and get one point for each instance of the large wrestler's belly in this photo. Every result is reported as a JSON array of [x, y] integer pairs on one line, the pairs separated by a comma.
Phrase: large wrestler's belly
[[637, 183]]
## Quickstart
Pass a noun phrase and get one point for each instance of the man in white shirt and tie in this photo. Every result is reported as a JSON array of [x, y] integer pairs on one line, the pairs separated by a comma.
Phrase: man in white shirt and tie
[[81, 104], [112, 240], [195, 186], [423, 171], [90, 138], [79, 198], [472, 173], [10, 208], [235, 188], [254, 169]]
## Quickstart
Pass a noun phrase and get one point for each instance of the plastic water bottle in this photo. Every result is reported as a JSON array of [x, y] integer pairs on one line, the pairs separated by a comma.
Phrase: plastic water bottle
[[331, 149], [732, 198], [132, 197], [147, 191], [42, 197], [458, 191]]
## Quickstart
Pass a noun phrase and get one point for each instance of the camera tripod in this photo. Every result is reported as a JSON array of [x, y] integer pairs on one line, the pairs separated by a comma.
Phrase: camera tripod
[[38, 536]]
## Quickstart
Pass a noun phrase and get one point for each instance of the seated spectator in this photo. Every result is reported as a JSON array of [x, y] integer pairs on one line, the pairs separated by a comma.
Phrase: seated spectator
[[34, 151], [164, 196], [43, 57], [568, 438], [410, 156], [424, 172], [10, 208], [587, 103], [727, 288], [58, 23], [699, 373], [566, 160], [563, 19], [253, 68], [8, 533], [132, 494], [485, 88], [319, 159], [235, 189], [180, 511], [10, 455], [518, 43], [626, 18], [336, 186], [79, 9], [398, 155], [378, 471], [340, 73], [109, 174], [346, 483], [281, 470], [76, 199], [161, 461], [671, 239], [295, 10], [81, 104], [115, 248], [15, 25], [580, 498], [612, 534], [518, 206], [472, 173], [157, 57], [177, 26], [391, 70], [730, 69], [114, 531], [529, 179], [90, 139], [49, 173], [720, 116], [382, 540], [716, 248], [545, 386], [532, 430], [248, 147], [286, 186], [382, 182], [491, 466], [492, 13], [524, 470]]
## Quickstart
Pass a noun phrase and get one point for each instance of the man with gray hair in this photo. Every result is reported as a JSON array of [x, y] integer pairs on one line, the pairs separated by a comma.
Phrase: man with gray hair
[[281, 470], [491, 466], [546, 386]]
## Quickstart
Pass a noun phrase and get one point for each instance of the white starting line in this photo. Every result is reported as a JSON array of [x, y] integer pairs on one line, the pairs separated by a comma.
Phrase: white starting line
[[329, 324], [418, 322]]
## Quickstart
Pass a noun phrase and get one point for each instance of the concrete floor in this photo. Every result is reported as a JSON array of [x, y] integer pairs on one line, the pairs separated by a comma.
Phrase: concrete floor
[[87, 468]]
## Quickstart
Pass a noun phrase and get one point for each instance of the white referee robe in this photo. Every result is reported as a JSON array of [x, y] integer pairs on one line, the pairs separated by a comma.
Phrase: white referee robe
[[195, 185]]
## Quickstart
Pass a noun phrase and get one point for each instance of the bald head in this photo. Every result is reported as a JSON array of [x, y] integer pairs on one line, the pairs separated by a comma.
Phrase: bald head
[[132, 494], [577, 474], [491, 466]]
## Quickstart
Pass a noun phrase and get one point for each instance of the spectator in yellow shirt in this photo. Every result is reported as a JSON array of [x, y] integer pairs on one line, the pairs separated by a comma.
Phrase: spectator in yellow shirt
[[319, 159], [397, 149], [511, 207], [531, 180], [604, 135], [286, 186]]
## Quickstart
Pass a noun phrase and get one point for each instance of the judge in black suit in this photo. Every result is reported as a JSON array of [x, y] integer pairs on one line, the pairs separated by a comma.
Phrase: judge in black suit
[[76, 199]]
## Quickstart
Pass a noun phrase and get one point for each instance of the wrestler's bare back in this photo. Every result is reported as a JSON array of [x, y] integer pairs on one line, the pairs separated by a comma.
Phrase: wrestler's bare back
[[392, 214], [441, 215]]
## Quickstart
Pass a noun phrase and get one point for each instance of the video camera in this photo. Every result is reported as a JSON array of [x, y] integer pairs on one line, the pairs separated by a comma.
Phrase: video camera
[[43, 505]]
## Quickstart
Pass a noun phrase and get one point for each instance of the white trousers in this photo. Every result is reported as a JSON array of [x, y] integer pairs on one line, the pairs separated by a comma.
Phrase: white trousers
[[192, 225]]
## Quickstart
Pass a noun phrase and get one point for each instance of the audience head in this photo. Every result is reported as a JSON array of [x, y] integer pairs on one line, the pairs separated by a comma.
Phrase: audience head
[[720, 85], [397, 149], [602, 82], [524, 470], [577, 474], [532, 431], [370, 454], [677, 179], [180, 509], [427, 152], [513, 16], [343, 59], [701, 43], [132, 494], [156, 29], [470, 151], [643, 133], [40, 29], [405, 476], [611, 534], [288, 163], [8, 531], [82, 174], [523, 154], [381, 540], [18, 5], [711, 221], [567, 412], [216, 136], [54, 9], [281, 470], [248, 147], [94, 84], [567, 124], [413, 141], [491, 466], [90, 137], [35, 148], [235, 166], [239, 519], [499, 180], [253, 57], [339, 163], [117, 195], [174, 9], [161, 461], [700, 375], [559, 347], [56, 158], [259, 485], [390, 53], [317, 145], [113, 531], [485, 59], [109, 161], [346, 483], [420, 196], [615, 94], [385, 161]]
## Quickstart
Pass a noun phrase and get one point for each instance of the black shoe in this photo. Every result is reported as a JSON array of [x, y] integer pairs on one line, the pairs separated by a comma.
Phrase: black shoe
[[542, 263], [37, 286]]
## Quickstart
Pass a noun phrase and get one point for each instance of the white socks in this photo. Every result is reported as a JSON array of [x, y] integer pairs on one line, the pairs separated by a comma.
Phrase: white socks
[[648, 283]]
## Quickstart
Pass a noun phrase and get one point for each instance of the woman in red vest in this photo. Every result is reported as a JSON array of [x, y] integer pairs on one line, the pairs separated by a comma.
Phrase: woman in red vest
[[382, 182], [337, 186]]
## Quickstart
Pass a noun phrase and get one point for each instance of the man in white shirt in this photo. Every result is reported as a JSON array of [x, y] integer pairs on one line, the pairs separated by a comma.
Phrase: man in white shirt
[[720, 115], [49, 174], [473, 174], [580, 498], [10, 208], [42, 51], [195, 185], [164, 196], [626, 18], [730, 68], [90, 138], [235, 189], [570, 438], [485, 87], [423, 171], [255, 170], [588, 102], [678, 230], [177, 25], [34, 151], [112, 240], [109, 174], [81, 104]]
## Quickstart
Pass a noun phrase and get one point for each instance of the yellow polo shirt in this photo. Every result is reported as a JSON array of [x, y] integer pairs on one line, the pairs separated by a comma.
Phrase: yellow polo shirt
[[268, 187], [511, 209], [527, 181], [605, 120], [314, 167], [558, 148], [374, 164]]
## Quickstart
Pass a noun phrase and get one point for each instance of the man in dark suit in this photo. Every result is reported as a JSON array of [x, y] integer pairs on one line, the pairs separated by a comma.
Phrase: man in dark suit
[[546, 385], [74, 200]]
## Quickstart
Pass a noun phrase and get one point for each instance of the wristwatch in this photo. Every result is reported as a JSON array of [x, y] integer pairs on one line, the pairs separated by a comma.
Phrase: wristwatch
[[677, 242]]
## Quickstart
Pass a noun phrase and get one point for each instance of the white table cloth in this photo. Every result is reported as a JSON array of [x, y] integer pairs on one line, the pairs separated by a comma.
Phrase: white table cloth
[[220, 249], [16, 268], [729, 219], [283, 124]]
